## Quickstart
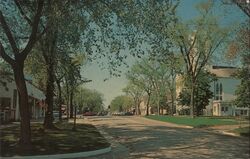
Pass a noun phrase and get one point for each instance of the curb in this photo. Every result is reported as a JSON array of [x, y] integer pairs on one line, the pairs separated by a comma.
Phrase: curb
[[64, 156], [170, 124], [119, 151]]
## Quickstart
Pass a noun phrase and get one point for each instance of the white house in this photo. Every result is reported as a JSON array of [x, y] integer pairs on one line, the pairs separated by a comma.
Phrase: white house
[[9, 105], [224, 93], [223, 90]]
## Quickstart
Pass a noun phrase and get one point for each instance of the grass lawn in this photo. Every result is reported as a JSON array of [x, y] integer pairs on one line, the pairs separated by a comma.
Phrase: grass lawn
[[60, 141], [243, 131], [194, 122]]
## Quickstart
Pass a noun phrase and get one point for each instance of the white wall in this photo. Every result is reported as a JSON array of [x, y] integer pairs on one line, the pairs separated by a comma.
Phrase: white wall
[[32, 91], [229, 85]]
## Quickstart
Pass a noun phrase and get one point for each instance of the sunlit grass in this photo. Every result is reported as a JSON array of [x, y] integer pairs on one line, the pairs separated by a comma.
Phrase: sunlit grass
[[243, 131], [194, 122]]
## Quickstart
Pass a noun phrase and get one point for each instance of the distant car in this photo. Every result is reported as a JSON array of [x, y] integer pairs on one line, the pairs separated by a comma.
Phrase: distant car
[[103, 113], [89, 114], [118, 113], [56, 115], [128, 113]]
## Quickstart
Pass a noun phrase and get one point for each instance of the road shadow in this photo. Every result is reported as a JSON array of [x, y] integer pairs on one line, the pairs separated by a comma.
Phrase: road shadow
[[145, 141]]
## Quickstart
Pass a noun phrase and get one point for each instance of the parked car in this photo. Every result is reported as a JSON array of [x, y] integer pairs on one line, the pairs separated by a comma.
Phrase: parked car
[[103, 113], [89, 114], [129, 113], [118, 113], [55, 115]]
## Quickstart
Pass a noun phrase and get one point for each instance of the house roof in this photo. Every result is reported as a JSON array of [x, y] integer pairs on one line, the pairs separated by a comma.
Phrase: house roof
[[33, 91], [223, 71]]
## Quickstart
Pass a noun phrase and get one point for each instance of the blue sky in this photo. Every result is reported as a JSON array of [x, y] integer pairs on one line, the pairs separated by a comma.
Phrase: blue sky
[[113, 86]]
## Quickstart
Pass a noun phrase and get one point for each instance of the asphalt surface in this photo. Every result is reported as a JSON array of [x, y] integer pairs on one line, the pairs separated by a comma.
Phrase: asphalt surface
[[137, 137]]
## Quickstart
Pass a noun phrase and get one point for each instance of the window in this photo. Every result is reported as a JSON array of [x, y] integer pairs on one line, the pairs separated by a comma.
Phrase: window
[[220, 94], [14, 98], [218, 91], [245, 112], [222, 108], [241, 112], [226, 109], [5, 103]]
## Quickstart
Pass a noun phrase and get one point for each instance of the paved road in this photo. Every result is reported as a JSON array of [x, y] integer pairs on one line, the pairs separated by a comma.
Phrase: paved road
[[148, 139]]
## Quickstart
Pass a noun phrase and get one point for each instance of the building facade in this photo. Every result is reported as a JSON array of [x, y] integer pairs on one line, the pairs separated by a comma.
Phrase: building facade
[[222, 103], [224, 93], [9, 105]]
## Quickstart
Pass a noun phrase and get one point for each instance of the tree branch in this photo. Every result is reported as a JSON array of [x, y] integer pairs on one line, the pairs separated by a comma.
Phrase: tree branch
[[22, 12], [8, 34], [33, 36], [6, 57]]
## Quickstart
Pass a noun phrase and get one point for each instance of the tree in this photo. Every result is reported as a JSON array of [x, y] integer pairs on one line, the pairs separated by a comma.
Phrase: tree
[[243, 90], [89, 100], [136, 93], [106, 26], [242, 46], [197, 42], [142, 78], [17, 56], [202, 94], [121, 103], [243, 5]]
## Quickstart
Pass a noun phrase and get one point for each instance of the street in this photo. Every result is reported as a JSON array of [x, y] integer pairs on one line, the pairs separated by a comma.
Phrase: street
[[144, 138]]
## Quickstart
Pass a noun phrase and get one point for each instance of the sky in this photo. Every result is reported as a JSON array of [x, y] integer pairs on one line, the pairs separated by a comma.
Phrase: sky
[[113, 86]]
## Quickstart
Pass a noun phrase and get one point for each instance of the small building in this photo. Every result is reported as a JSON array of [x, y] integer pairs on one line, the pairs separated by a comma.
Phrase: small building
[[222, 103], [9, 105], [224, 93]]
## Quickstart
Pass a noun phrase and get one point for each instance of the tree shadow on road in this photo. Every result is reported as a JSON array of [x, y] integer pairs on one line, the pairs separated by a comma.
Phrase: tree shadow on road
[[167, 142]]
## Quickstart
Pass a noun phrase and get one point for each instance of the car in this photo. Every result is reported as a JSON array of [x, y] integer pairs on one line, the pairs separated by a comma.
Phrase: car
[[89, 114], [128, 113], [56, 115], [103, 113]]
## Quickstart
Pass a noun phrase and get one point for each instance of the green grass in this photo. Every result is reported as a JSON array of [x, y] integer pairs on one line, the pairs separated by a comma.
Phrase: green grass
[[194, 122], [243, 131], [46, 142]]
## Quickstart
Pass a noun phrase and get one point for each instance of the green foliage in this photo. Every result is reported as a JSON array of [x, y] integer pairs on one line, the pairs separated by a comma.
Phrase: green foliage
[[243, 90], [88, 100], [201, 95], [136, 93], [121, 103], [243, 49]]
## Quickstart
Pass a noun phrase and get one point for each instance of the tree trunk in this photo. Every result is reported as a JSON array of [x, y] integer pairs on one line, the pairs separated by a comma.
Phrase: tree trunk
[[67, 99], [158, 105], [71, 103], [149, 95], [48, 121], [172, 103], [74, 127], [192, 102], [139, 110], [25, 131], [59, 99]]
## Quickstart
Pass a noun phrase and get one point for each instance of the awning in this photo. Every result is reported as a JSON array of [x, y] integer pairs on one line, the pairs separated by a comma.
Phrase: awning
[[34, 92]]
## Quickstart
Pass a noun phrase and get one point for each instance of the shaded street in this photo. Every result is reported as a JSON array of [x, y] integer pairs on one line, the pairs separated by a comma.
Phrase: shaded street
[[146, 138]]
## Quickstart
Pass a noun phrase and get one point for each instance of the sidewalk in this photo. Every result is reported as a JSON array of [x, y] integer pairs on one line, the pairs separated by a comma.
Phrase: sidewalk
[[226, 129], [118, 151]]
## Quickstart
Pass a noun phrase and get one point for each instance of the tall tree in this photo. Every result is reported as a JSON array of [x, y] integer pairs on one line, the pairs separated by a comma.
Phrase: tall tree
[[121, 103], [197, 42], [89, 100], [15, 53], [202, 94], [136, 93], [142, 77]]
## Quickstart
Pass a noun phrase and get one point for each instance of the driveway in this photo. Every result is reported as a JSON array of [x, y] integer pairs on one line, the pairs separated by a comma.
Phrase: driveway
[[145, 138]]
